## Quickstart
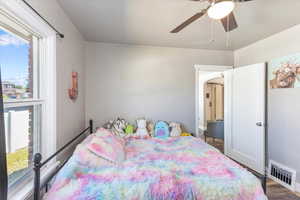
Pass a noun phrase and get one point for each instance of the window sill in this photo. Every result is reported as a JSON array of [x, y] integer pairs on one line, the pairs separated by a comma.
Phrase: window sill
[[26, 191]]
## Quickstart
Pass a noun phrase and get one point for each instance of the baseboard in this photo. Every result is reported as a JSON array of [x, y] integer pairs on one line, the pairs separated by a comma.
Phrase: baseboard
[[201, 135], [203, 128], [297, 187]]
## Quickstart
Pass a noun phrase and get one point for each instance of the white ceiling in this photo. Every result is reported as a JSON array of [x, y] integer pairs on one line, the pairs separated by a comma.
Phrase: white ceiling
[[148, 22]]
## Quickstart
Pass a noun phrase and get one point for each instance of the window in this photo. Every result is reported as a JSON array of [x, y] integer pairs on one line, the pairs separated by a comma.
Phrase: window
[[30, 96], [23, 105]]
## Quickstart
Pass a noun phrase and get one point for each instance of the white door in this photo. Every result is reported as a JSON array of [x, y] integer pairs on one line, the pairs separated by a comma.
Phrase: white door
[[245, 116]]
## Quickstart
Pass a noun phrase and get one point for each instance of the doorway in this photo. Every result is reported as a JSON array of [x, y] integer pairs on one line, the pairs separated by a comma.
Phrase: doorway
[[213, 102], [210, 99], [240, 132]]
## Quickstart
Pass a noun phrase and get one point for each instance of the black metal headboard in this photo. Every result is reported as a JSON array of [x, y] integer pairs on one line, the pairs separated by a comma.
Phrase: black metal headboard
[[38, 164]]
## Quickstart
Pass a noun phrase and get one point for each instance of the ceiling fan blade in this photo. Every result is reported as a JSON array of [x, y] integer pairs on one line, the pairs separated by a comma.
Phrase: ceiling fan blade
[[241, 1], [189, 21], [229, 22]]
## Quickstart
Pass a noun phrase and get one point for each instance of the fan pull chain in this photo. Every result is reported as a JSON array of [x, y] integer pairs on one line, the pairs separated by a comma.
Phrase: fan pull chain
[[212, 32], [227, 33]]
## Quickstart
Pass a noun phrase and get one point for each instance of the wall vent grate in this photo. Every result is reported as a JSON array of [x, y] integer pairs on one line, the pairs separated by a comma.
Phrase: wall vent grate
[[282, 175]]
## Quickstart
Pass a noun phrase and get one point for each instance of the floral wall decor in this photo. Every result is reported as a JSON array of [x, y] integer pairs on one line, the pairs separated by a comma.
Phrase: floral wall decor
[[284, 72]]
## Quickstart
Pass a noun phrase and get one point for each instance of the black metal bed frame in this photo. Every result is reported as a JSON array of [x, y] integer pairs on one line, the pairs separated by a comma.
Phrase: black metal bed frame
[[38, 164]]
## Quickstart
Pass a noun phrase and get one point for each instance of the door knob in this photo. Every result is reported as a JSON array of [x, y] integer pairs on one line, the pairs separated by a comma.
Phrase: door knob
[[259, 124]]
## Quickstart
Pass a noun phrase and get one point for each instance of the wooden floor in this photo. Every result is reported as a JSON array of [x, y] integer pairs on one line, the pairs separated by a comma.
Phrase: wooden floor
[[278, 192], [274, 190]]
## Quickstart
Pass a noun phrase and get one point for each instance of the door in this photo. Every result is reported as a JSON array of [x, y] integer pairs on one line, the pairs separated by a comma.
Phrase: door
[[208, 103], [219, 102], [245, 116]]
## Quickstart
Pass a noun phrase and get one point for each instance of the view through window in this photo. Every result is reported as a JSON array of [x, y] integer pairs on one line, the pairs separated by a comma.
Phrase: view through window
[[15, 67], [21, 106]]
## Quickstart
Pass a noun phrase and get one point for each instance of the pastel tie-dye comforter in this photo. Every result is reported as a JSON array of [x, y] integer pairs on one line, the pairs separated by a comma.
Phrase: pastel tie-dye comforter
[[176, 168]]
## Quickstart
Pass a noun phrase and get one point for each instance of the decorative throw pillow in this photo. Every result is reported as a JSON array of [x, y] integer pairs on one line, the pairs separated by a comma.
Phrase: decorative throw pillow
[[118, 126], [88, 158], [175, 129], [107, 148], [141, 128], [108, 135], [161, 130]]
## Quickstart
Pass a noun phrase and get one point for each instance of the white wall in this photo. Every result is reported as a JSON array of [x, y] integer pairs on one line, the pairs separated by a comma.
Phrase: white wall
[[70, 56], [142, 81], [284, 106], [278, 45]]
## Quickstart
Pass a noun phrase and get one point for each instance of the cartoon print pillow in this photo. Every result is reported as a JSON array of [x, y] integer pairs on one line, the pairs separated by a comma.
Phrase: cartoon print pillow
[[161, 130]]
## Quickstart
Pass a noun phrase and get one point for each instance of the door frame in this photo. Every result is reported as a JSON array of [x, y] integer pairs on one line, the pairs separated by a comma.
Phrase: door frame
[[208, 68]]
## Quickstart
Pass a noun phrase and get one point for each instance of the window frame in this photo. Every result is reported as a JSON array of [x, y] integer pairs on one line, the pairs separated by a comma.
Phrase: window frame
[[47, 52], [36, 109], [36, 100]]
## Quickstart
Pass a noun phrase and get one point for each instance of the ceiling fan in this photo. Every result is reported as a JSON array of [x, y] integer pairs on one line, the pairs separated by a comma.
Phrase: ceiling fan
[[218, 10]]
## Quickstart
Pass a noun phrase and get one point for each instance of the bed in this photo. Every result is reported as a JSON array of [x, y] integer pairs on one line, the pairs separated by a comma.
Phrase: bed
[[174, 168]]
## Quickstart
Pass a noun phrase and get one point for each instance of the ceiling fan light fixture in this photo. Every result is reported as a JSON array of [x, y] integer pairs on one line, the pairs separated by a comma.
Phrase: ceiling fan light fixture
[[220, 9]]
